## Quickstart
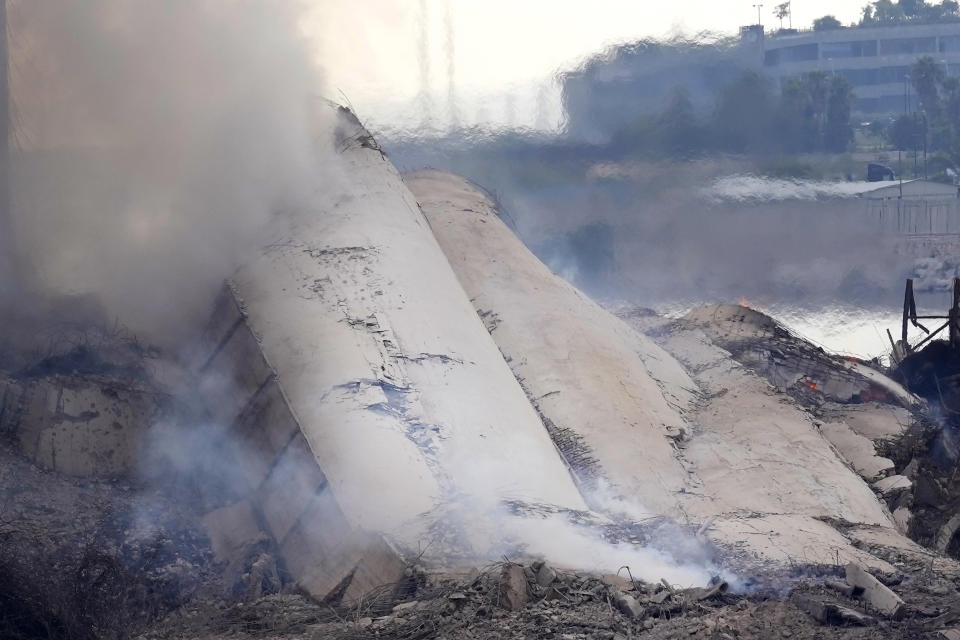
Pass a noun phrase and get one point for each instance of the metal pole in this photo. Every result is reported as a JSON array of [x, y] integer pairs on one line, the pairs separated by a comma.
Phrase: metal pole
[[7, 242], [907, 295], [955, 316]]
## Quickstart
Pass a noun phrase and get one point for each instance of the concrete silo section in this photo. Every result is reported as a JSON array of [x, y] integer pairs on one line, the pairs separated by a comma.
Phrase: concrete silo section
[[387, 381]]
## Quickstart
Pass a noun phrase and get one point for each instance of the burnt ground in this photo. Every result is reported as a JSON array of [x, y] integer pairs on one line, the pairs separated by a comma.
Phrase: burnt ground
[[90, 559], [574, 606], [83, 559]]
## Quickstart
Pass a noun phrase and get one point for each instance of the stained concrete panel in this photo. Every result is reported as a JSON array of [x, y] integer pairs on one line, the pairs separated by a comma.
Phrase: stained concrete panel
[[85, 428], [291, 486], [232, 376]]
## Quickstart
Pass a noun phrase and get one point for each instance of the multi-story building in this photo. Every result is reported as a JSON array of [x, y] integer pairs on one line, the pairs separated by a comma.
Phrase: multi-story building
[[876, 60]]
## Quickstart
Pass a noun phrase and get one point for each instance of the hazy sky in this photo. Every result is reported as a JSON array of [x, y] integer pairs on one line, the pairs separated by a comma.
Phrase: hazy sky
[[501, 54]]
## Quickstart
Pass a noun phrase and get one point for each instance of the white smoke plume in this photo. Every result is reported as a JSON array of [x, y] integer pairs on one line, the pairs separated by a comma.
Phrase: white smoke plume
[[152, 141]]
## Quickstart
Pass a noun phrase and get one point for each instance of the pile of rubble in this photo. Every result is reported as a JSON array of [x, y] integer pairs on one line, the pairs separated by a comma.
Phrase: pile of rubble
[[510, 600]]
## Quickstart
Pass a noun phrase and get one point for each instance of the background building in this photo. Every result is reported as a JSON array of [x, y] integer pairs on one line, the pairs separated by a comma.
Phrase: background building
[[876, 60]]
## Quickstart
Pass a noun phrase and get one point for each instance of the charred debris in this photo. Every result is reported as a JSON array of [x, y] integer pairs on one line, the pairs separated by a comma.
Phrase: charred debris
[[90, 550], [93, 547]]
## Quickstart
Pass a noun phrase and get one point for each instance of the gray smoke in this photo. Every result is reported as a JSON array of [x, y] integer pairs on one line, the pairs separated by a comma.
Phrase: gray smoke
[[153, 139]]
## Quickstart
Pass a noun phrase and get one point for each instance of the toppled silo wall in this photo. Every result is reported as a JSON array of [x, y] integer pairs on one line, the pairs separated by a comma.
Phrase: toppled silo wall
[[400, 393], [285, 495]]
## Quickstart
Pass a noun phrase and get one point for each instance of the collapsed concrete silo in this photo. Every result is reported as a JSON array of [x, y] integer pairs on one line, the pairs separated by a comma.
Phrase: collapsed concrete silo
[[348, 352]]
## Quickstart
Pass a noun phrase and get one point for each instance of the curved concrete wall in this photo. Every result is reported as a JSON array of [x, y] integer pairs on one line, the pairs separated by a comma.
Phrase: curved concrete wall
[[402, 395]]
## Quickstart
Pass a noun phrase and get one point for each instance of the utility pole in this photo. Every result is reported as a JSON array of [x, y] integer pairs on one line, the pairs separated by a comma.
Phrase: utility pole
[[758, 7]]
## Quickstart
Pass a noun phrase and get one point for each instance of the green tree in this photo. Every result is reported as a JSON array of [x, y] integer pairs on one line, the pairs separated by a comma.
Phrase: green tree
[[744, 114], [678, 131], [837, 130], [906, 132], [911, 8], [889, 12], [882, 12], [814, 113], [781, 11], [926, 76], [826, 23]]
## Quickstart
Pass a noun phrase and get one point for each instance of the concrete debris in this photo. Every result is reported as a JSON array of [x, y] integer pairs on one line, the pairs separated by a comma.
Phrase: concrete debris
[[546, 575], [948, 634], [911, 469], [846, 589], [698, 594], [875, 593], [946, 533], [832, 613], [86, 426], [405, 606], [892, 485], [514, 591], [628, 605]]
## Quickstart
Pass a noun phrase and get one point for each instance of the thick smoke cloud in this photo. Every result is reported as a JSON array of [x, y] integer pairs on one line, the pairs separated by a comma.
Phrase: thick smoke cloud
[[152, 140]]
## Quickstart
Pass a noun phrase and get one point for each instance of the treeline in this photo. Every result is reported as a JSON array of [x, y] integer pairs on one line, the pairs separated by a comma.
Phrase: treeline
[[811, 113], [887, 12]]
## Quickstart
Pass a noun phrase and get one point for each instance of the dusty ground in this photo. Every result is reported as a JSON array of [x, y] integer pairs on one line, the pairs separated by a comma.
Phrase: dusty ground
[[100, 559], [574, 606]]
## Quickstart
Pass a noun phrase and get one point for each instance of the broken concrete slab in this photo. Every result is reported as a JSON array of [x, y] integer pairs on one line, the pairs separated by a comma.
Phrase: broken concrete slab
[[844, 588], [291, 485], [546, 575], [875, 593], [946, 533], [230, 529], [705, 593], [901, 517], [84, 426], [892, 484], [831, 612], [876, 421], [514, 591], [628, 605], [859, 451], [948, 634]]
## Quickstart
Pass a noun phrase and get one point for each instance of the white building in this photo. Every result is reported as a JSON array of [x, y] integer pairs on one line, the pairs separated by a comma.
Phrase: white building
[[876, 60]]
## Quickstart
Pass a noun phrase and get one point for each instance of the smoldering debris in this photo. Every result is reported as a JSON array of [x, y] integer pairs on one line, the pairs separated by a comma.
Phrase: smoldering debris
[[538, 599]]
